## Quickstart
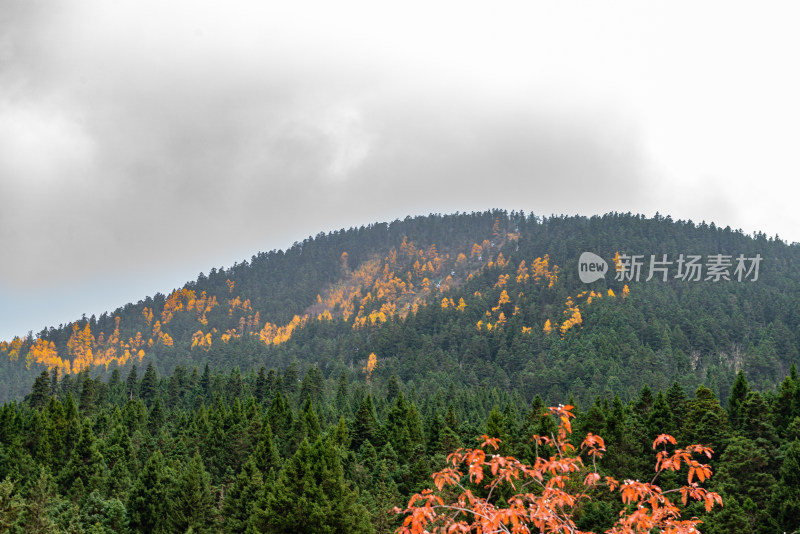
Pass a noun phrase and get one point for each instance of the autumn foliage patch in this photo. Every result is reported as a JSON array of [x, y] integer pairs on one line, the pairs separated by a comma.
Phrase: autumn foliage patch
[[549, 492]]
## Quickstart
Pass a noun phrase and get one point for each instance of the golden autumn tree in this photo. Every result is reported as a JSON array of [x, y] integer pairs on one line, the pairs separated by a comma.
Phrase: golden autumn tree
[[13, 348], [372, 363], [44, 352], [548, 493], [201, 340], [504, 298], [501, 320], [166, 340], [80, 346], [522, 272]]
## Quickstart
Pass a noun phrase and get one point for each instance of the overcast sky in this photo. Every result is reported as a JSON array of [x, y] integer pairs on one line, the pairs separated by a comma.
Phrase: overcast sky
[[142, 142]]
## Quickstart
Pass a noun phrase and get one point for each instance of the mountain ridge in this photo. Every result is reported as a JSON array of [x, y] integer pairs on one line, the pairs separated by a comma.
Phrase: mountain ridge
[[349, 286]]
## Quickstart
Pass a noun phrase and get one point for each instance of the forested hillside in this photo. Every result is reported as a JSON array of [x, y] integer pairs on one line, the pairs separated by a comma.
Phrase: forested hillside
[[477, 298], [314, 389], [296, 452]]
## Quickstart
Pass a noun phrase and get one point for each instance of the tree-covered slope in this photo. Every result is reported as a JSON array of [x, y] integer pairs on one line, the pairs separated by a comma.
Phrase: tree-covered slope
[[315, 389], [291, 450], [489, 297]]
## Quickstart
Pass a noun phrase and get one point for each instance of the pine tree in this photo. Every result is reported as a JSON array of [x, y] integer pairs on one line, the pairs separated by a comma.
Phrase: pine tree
[[786, 502], [290, 378], [149, 386], [705, 421], [738, 395], [396, 427], [132, 383], [102, 516], [234, 386], [433, 432], [40, 392], [744, 473], [241, 498], [593, 420], [364, 424], [616, 459], [450, 418], [676, 398], [54, 382], [86, 403], [147, 504], [191, 504], [384, 521], [215, 450], [416, 434], [496, 428], [644, 403], [392, 388], [660, 420], [312, 385], [260, 390], [36, 518], [342, 401], [205, 383], [782, 415], [755, 423], [36, 442], [116, 390], [281, 420], [311, 496], [156, 416], [266, 457], [341, 435], [11, 507], [307, 424], [274, 383], [85, 466]]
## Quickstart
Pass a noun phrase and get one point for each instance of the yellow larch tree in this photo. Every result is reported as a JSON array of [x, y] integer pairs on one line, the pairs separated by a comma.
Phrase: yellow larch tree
[[372, 363], [522, 273]]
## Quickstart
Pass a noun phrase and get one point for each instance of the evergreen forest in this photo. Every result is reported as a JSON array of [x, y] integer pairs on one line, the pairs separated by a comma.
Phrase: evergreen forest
[[316, 389]]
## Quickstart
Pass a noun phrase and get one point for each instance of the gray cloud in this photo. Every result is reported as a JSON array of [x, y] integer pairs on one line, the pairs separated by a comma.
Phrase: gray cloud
[[135, 145], [170, 155]]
